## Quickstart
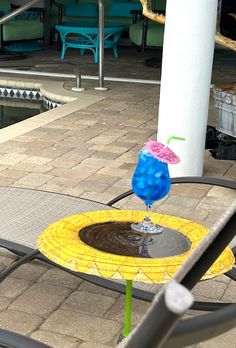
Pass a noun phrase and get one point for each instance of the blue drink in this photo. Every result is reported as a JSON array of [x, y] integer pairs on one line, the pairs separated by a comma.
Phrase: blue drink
[[151, 180]]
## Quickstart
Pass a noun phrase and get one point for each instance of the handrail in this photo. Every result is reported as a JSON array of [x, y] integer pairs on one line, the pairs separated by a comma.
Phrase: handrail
[[16, 12], [76, 70], [101, 46]]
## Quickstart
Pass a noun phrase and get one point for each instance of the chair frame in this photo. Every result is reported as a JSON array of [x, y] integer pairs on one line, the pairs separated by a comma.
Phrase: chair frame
[[26, 254]]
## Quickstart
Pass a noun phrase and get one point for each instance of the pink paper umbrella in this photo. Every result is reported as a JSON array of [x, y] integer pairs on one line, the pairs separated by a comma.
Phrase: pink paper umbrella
[[161, 152]]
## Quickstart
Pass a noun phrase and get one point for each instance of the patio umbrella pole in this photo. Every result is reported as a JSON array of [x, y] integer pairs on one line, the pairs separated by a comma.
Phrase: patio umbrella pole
[[101, 47]]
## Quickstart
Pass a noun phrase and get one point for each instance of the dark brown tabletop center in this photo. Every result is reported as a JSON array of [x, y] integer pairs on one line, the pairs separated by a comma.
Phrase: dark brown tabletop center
[[118, 238]]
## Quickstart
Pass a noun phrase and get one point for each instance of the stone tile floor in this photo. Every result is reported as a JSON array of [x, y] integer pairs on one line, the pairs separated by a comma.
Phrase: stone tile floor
[[91, 153]]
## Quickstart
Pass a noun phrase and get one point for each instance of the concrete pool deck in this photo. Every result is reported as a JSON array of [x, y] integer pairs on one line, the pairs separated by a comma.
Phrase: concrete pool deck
[[91, 151]]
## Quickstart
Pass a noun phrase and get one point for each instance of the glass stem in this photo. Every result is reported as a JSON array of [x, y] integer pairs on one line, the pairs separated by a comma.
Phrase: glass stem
[[148, 212]]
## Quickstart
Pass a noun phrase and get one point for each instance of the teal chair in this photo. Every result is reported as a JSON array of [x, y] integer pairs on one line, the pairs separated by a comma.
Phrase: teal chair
[[86, 37], [116, 12], [27, 27], [71, 12], [83, 33]]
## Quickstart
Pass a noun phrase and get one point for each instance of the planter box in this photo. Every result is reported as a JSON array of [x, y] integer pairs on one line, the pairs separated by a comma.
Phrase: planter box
[[225, 104]]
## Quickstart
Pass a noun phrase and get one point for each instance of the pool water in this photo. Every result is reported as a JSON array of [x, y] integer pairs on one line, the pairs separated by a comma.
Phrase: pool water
[[12, 112]]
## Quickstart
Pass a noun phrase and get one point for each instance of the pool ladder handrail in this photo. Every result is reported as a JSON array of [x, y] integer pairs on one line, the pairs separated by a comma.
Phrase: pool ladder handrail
[[76, 69]]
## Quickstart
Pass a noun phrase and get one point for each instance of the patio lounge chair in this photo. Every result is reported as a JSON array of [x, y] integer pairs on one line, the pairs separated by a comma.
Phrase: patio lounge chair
[[25, 213], [157, 331]]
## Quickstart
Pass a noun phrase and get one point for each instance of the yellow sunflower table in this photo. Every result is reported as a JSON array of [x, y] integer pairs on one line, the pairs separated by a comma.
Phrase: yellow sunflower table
[[102, 243]]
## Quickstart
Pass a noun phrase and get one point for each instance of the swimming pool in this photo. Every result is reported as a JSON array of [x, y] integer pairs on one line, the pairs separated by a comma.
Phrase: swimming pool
[[30, 93], [13, 111], [18, 102]]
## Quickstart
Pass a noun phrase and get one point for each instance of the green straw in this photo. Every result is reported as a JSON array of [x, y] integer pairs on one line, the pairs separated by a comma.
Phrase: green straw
[[173, 137]]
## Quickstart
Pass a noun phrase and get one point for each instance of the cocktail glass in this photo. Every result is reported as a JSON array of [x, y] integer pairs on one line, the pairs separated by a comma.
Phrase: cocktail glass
[[151, 181]]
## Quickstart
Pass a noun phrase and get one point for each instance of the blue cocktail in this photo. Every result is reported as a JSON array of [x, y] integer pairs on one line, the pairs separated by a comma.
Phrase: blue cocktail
[[151, 180]]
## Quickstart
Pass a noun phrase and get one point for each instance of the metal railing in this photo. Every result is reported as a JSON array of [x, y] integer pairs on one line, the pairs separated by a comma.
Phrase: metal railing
[[83, 77], [101, 46]]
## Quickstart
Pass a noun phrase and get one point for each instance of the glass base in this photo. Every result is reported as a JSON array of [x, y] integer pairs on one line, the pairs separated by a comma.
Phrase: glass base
[[147, 226]]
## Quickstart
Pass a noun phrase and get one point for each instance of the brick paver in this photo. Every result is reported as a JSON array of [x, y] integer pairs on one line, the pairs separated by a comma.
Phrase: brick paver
[[56, 340], [20, 322], [44, 299], [83, 326]]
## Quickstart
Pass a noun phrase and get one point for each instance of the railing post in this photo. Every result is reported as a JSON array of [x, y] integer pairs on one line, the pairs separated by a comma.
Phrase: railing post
[[101, 47], [47, 24], [1, 36], [78, 87]]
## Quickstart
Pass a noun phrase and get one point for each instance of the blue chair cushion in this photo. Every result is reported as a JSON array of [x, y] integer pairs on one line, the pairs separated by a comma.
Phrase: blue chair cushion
[[122, 8], [4, 11], [81, 10], [28, 15]]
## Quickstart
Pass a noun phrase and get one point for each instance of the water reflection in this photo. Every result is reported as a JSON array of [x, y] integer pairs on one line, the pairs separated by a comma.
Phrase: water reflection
[[118, 238]]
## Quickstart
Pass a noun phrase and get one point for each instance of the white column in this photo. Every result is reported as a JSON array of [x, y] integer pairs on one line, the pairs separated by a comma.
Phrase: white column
[[185, 82]]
